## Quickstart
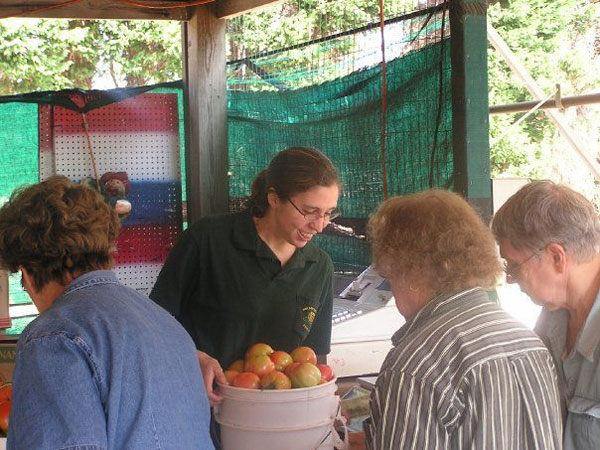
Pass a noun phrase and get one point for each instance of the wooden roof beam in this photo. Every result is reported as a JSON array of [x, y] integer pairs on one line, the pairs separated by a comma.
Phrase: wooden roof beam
[[227, 9], [89, 9]]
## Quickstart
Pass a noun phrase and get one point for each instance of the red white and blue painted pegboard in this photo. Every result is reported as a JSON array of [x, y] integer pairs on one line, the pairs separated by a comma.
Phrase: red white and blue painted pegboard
[[138, 135]]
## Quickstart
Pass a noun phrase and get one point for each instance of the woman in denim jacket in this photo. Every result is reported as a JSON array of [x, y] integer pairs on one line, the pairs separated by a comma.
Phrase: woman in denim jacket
[[102, 367]]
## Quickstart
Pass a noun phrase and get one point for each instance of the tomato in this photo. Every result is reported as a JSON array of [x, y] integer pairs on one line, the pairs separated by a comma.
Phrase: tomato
[[230, 375], [4, 416], [238, 366], [275, 380], [258, 350], [5, 392], [304, 354], [326, 372], [246, 380], [281, 360], [305, 375], [288, 370], [260, 365]]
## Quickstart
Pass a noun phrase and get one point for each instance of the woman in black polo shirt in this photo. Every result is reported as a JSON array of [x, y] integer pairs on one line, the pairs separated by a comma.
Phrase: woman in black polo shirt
[[255, 276]]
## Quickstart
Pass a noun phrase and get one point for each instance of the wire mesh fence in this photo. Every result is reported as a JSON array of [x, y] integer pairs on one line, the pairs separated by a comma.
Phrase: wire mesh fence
[[327, 93]]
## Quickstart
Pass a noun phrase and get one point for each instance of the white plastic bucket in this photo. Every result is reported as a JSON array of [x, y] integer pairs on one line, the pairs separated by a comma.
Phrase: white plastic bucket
[[287, 419]]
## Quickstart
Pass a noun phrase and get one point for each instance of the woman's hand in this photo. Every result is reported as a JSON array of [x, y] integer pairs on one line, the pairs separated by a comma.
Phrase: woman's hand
[[211, 372]]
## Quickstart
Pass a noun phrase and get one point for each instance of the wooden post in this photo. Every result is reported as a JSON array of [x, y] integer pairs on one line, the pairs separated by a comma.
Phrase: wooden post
[[470, 119], [206, 106]]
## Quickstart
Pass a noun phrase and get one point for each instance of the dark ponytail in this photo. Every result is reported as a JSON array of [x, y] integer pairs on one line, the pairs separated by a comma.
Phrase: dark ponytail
[[257, 202]]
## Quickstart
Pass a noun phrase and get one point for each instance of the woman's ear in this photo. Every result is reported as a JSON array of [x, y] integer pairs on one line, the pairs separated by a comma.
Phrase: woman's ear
[[558, 256], [272, 197]]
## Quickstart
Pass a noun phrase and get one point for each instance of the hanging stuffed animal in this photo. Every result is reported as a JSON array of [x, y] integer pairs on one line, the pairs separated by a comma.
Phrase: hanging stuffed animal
[[115, 187]]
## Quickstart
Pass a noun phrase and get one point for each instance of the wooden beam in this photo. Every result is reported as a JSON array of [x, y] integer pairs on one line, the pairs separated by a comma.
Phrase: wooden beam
[[205, 81], [89, 9], [227, 9]]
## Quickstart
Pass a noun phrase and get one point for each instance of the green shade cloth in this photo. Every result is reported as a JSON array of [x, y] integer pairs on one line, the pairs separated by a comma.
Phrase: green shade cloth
[[343, 118]]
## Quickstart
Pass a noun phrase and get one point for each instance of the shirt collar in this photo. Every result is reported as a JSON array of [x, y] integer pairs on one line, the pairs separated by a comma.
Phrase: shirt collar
[[308, 253], [589, 337], [430, 309], [90, 278], [246, 237]]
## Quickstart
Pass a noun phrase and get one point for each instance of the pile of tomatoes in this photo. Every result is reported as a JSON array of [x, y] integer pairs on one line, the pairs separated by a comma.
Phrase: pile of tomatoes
[[264, 368]]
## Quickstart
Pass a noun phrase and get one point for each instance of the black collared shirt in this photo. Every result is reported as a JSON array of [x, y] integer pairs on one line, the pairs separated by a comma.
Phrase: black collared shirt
[[229, 291]]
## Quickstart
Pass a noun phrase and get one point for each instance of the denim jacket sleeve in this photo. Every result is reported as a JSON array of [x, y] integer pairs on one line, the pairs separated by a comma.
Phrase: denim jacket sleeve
[[56, 397]]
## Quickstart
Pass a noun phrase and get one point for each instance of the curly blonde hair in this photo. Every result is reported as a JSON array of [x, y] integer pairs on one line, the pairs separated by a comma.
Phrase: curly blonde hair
[[57, 227], [434, 240]]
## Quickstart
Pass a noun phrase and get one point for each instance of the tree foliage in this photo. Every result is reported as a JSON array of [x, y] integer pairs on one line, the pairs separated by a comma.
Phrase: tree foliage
[[37, 55], [557, 44], [301, 21], [56, 54], [557, 41]]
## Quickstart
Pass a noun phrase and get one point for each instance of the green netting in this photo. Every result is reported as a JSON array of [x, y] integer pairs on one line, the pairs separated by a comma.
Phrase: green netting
[[326, 95], [18, 167], [343, 118], [19, 143]]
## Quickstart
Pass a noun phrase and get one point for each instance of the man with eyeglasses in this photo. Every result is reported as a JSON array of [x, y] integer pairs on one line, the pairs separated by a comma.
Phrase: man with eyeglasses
[[549, 237]]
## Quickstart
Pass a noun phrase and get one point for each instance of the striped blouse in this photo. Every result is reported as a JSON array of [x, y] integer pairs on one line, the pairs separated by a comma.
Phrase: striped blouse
[[464, 375]]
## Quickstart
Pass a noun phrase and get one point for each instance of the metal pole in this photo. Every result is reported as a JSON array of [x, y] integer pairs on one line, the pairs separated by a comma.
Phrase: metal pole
[[573, 100]]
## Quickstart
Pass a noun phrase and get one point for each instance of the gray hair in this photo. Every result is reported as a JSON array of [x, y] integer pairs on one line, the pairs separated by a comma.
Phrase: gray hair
[[544, 212]]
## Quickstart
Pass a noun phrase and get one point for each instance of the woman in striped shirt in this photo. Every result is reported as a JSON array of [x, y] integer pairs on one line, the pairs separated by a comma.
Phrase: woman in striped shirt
[[462, 373]]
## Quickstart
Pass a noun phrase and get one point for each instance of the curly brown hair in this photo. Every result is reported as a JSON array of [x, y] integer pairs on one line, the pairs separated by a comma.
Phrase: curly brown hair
[[435, 240], [57, 227]]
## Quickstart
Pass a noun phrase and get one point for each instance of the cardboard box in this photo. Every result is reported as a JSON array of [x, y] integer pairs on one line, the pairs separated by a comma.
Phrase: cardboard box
[[8, 353], [4, 300]]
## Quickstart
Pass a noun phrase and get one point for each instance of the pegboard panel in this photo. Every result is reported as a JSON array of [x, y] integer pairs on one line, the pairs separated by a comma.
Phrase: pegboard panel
[[46, 142], [144, 244], [139, 136], [144, 158], [155, 202], [140, 277]]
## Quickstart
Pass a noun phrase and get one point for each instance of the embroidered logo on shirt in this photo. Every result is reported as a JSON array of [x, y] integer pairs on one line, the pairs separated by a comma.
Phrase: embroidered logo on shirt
[[308, 317]]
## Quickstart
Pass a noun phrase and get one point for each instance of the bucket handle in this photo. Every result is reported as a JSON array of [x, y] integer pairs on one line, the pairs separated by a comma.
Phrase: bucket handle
[[338, 443]]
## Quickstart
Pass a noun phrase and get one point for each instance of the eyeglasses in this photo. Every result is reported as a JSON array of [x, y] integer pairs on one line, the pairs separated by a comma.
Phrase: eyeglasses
[[512, 270], [314, 216]]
